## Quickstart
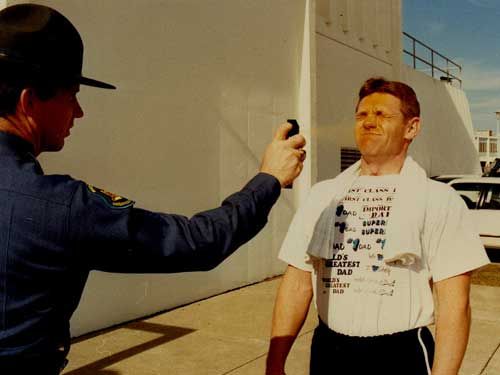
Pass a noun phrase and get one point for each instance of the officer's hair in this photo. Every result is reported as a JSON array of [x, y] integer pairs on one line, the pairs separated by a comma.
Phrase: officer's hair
[[410, 106], [14, 79]]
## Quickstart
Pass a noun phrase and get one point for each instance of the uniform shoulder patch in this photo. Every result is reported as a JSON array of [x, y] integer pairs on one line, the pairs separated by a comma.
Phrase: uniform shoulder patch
[[111, 199]]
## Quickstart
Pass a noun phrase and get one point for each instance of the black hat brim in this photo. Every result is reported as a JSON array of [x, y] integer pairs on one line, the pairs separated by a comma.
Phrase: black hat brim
[[95, 83]]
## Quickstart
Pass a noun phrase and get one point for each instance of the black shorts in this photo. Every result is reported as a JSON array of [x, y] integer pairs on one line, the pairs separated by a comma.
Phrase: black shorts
[[409, 353]]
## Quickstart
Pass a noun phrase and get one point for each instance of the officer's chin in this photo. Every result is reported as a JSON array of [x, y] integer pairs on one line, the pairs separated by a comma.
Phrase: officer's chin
[[54, 147]]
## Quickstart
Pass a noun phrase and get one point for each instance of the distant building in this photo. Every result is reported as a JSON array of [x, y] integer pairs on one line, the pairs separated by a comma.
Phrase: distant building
[[486, 142]]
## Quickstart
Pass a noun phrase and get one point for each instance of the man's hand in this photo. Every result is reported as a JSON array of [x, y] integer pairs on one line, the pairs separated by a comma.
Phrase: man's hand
[[284, 158]]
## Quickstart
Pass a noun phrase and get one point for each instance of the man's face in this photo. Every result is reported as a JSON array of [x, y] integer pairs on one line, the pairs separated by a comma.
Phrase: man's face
[[55, 117], [380, 130]]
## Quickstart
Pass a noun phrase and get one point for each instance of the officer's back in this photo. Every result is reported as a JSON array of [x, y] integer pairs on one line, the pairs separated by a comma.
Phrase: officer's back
[[37, 271]]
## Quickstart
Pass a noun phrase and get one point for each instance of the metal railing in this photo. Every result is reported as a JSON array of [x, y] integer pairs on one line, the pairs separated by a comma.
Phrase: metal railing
[[450, 65]]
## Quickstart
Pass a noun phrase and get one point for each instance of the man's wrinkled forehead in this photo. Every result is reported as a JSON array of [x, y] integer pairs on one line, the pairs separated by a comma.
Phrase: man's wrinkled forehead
[[379, 101]]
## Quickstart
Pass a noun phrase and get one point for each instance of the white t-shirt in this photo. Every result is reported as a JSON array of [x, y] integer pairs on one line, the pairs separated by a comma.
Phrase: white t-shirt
[[356, 293]]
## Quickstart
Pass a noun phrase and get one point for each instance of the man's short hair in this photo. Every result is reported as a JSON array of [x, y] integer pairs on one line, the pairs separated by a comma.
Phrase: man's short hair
[[410, 107], [14, 79]]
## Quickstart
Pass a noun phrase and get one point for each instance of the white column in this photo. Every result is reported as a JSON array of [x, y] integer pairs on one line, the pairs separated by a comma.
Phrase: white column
[[305, 108], [488, 143], [497, 113]]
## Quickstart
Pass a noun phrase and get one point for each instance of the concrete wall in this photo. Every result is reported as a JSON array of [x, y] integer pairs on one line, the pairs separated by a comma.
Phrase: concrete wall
[[445, 144], [202, 86], [348, 51], [355, 40]]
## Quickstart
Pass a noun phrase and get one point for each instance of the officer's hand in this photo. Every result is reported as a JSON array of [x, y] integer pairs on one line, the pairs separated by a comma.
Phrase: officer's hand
[[284, 158]]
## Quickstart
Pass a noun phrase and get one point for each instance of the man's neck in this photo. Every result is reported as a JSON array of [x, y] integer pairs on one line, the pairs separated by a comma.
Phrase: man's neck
[[21, 127], [380, 167]]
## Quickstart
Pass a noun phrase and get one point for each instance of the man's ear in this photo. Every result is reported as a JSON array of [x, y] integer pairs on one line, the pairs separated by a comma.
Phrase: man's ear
[[412, 128], [27, 101]]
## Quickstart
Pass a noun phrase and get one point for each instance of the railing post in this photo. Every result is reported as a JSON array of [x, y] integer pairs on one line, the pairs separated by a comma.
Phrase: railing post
[[414, 54], [432, 62]]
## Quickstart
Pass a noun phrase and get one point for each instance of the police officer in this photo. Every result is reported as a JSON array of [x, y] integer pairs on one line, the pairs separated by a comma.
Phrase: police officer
[[55, 229]]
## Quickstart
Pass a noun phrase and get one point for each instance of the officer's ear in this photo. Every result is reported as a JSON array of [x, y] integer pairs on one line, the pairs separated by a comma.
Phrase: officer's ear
[[27, 100]]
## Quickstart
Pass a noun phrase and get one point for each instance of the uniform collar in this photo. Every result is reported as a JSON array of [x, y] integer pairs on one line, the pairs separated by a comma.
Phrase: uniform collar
[[21, 149], [13, 144]]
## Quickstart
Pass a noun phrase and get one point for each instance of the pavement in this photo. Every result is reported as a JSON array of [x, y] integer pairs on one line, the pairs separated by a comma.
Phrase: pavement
[[229, 334]]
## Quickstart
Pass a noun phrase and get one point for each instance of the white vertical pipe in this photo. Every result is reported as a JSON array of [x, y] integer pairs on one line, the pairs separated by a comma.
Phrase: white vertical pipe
[[396, 39], [305, 105]]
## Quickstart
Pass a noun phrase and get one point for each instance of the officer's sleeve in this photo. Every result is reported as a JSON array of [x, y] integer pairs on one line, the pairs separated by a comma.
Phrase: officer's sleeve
[[122, 238]]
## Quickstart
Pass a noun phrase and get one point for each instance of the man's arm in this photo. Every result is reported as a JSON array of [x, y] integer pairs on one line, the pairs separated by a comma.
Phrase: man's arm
[[290, 310], [452, 324]]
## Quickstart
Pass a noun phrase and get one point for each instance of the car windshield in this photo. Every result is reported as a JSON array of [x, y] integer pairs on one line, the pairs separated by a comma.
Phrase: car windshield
[[470, 193], [492, 201], [444, 179]]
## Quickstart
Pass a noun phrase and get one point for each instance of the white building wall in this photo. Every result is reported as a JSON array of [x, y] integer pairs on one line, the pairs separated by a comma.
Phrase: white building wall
[[445, 144], [202, 85], [355, 40], [362, 39]]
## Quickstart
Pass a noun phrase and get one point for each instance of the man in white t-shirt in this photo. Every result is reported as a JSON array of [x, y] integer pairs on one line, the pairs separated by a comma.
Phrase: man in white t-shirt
[[370, 245]]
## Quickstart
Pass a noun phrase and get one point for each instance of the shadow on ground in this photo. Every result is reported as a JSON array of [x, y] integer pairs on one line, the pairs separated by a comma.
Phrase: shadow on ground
[[98, 367]]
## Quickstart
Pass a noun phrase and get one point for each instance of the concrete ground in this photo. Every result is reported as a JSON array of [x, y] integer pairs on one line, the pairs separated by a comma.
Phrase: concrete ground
[[228, 334]]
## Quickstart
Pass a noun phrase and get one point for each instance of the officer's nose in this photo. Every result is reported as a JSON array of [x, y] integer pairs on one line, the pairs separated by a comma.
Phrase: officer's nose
[[78, 113]]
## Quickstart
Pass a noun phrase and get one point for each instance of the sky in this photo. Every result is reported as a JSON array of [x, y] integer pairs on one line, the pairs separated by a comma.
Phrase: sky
[[467, 32]]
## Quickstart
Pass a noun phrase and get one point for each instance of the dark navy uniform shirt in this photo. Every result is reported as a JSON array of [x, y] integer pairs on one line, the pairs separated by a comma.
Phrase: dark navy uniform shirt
[[55, 229]]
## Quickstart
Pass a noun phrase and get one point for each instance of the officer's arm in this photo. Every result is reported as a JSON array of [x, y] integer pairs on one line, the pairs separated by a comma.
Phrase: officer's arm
[[128, 239], [112, 235]]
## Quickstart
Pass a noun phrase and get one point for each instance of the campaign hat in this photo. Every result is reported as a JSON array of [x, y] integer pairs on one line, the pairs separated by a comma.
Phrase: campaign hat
[[41, 41]]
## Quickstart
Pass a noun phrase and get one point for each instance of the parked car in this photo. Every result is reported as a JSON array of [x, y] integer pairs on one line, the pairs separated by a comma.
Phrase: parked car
[[445, 178], [493, 169], [482, 197]]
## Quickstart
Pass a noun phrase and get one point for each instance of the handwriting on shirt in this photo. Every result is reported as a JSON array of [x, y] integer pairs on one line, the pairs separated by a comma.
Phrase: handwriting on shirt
[[361, 221]]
